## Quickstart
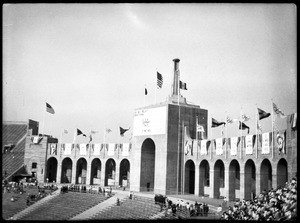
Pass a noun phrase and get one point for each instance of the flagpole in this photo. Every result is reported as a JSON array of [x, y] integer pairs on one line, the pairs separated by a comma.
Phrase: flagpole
[[197, 135], [44, 120], [272, 128], [241, 133], [61, 135], [256, 114], [155, 86], [144, 94], [226, 134]]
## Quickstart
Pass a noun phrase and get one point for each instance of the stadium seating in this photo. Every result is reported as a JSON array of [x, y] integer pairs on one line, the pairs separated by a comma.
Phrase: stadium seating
[[64, 206]]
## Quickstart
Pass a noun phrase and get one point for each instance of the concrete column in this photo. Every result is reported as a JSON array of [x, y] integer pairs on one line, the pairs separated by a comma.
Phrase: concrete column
[[211, 183], [117, 172], [242, 184], [58, 174], [257, 183], [227, 184], [102, 180], [88, 173], [74, 167], [197, 180]]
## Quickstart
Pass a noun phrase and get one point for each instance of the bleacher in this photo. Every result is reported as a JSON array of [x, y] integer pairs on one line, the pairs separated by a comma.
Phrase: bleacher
[[137, 208], [64, 206], [12, 160]]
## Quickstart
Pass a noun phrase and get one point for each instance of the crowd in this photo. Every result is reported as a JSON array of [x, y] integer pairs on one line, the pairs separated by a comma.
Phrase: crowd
[[196, 209], [274, 205], [84, 189]]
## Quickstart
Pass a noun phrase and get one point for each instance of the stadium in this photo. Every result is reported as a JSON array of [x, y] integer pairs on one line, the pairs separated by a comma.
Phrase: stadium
[[169, 155]]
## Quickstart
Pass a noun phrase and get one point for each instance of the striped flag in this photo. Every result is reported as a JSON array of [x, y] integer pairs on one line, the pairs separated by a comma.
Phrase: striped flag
[[159, 80], [49, 108], [277, 111], [182, 85]]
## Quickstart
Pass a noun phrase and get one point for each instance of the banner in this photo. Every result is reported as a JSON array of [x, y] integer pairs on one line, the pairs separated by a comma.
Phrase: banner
[[203, 150], [125, 151], [68, 147], [188, 147], [219, 146], [195, 146], [53, 149], [97, 148], [249, 145], [233, 148], [280, 141], [82, 150], [111, 149], [265, 148]]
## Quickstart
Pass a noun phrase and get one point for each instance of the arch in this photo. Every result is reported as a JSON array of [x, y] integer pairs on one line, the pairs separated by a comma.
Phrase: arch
[[147, 165], [66, 170], [110, 172], [95, 171], [234, 178], [189, 177], [219, 178], [51, 169], [81, 171], [203, 176], [282, 172], [250, 180], [124, 173], [265, 175]]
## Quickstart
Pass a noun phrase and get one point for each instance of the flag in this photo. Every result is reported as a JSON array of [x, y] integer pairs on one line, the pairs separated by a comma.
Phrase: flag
[[215, 123], [36, 139], [278, 111], [280, 143], [108, 130], [244, 126], [262, 114], [90, 138], [200, 128], [146, 92], [159, 80], [229, 120], [245, 118], [182, 85], [49, 108], [66, 131], [80, 133], [122, 131]]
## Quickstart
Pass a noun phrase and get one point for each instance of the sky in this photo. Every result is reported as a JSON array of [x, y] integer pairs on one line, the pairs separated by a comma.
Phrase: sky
[[91, 63]]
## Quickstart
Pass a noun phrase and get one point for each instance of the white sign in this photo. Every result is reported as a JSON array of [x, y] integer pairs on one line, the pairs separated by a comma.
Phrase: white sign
[[249, 145], [265, 149], [219, 146], [97, 148], [125, 151], [68, 147], [82, 150], [150, 121], [203, 150], [111, 149], [233, 145]]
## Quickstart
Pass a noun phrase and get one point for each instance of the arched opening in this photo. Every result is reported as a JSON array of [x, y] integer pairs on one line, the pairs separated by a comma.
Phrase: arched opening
[[189, 177], [250, 180], [147, 165], [81, 171], [265, 175], [66, 170], [110, 172], [124, 173], [95, 172], [219, 177], [51, 169], [203, 176], [282, 172], [234, 179]]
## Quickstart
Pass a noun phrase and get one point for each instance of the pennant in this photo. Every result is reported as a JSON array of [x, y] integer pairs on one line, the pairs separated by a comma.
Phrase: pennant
[[146, 92], [245, 118], [80, 133], [280, 139], [262, 114], [243, 126], [159, 80], [122, 131], [108, 130], [215, 123], [182, 85], [293, 121], [277, 111], [200, 128], [49, 108]]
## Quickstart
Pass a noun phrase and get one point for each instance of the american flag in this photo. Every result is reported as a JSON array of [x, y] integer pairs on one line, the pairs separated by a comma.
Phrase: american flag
[[159, 80]]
